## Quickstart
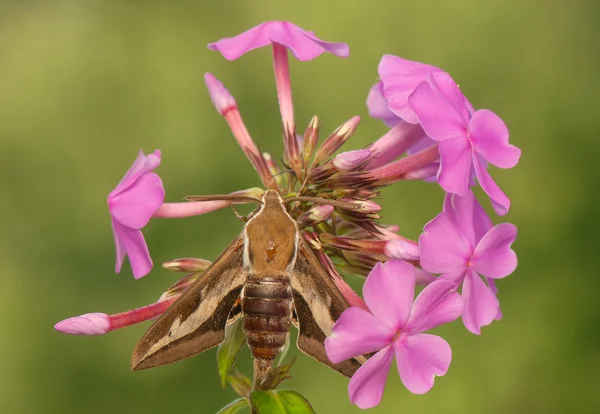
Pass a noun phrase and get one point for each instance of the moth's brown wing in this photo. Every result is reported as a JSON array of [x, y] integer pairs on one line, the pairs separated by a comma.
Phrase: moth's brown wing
[[318, 304], [196, 321]]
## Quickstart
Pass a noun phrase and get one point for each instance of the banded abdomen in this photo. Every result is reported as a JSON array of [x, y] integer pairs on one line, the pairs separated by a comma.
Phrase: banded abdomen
[[267, 313]]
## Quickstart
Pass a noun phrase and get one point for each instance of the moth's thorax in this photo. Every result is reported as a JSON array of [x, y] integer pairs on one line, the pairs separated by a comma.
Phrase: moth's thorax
[[270, 238]]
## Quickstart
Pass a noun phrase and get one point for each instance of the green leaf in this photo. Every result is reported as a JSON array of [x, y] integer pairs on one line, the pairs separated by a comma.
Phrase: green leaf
[[281, 402], [240, 383], [229, 349], [235, 406]]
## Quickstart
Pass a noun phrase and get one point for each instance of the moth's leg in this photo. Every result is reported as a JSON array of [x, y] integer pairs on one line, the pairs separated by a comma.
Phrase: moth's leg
[[243, 219]]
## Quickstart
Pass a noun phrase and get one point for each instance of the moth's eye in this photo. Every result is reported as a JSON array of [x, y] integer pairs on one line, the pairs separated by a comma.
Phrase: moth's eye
[[271, 252]]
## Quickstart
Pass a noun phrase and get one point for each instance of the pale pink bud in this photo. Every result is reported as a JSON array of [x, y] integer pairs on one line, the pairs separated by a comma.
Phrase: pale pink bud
[[316, 215], [222, 99], [350, 160], [336, 139], [401, 249], [88, 324], [187, 264]]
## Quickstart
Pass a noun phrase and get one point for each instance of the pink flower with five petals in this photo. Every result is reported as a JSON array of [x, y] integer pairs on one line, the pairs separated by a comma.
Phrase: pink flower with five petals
[[303, 44], [131, 205], [461, 244], [395, 325], [466, 139]]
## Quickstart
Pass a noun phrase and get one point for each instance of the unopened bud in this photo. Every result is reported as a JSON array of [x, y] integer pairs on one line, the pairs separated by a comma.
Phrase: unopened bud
[[88, 324], [222, 99], [350, 160], [336, 140], [402, 249], [311, 136], [316, 215], [187, 265], [363, 206]]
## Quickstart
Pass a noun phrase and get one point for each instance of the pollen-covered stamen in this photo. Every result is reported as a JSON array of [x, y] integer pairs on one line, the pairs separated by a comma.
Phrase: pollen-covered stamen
[[394, 143], [101, 323], [336, 140], [187, 264], [227, 107]]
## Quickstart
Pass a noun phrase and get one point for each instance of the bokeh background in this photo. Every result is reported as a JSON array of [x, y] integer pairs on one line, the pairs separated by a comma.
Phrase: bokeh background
[[85, 84]]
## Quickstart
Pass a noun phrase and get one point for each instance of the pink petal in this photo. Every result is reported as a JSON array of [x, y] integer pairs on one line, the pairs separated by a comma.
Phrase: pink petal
[[133, 243], [88, 324], [400, 77], [142, 164], [368, 383], [500, 201], [444, 83], [455, 165], [463, 212], [420, 358], [489, 136], [135, 206], [480, 304], [120, 249], [481, 221], [437, 304], [493, 256], [302, 44], [389, 291], [355, 333], [436, 114], [442, 247], [423, 278], [378, 106]]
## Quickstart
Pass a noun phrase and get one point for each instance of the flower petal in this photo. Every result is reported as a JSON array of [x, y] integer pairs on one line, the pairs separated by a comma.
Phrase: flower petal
[[355, 333], [133, 243], [489, 136], [480, 304], [301, 43], [400, 77], [120, 249], [368, 383], [420, 358], [142, 164], [135, 206], [443, 82], [442, 247], [455, 165], [437, 304], [493, 256], [436, 114], [468, 217], [500, 201], [389, 291], [378, 106]]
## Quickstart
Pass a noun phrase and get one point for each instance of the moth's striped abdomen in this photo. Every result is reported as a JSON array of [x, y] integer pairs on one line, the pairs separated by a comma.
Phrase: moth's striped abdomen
[[267, 309]]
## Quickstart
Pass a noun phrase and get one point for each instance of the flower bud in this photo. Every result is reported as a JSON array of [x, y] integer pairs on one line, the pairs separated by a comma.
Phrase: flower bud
[[187, 265], [350, 160]]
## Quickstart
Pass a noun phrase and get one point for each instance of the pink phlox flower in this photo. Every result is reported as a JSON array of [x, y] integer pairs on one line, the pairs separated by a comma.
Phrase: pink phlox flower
[[467, 139], [461, 244], [304, 45], [131, 205], [399, 78], [395, 325]]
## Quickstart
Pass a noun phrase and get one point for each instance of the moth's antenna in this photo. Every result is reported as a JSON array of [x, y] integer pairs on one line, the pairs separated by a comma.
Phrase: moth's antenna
[[224, 197], [318, 200]]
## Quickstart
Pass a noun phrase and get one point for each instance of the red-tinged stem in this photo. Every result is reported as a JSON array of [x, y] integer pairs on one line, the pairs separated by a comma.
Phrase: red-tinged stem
[[349, 294], [284, 90], [121, 320], [238, 128], [178, 210], [394, 143], [401, 169]]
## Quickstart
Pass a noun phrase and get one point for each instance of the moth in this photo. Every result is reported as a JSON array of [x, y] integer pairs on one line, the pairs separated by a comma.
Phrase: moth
[[272, 273]]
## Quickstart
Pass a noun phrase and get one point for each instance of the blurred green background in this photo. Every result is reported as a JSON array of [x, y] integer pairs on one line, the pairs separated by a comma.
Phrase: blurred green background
[[85, 84]]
